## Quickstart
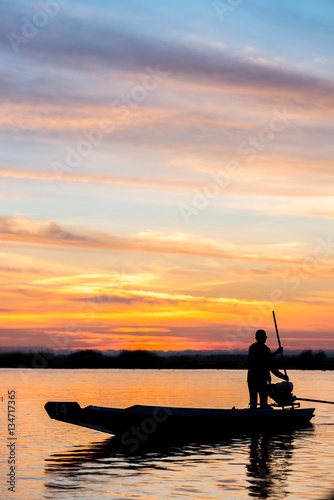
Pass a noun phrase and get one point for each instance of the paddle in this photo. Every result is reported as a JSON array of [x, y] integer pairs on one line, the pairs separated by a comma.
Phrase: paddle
[[279, 345]]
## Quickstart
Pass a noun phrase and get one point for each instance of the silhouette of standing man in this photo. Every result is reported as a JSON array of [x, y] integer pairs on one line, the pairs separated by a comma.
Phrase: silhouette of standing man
[[260, 364]]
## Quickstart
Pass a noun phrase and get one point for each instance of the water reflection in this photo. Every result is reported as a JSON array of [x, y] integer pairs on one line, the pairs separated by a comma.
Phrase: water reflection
[[267, 459], [268, 468], [270, 460]]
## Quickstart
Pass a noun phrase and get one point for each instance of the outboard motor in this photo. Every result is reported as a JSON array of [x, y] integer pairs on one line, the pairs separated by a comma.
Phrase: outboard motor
[[281, 393]]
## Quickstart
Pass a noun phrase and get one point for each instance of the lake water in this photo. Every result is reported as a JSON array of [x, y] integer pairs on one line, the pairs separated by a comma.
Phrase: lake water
[[58, 460]]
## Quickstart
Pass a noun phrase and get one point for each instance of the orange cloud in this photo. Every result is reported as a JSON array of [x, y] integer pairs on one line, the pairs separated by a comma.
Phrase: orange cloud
[[50, 233], [125, 329]]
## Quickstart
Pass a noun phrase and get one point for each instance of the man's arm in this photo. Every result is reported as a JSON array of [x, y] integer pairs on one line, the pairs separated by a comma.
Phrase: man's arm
[[252, 358], [278, 351], [273, 369], [278, 374]]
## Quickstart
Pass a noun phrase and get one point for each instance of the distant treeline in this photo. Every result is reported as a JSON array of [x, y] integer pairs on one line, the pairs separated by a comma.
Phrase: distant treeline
[[307, 360]]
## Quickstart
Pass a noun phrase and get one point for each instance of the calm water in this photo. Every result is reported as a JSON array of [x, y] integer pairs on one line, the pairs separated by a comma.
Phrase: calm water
[[57, 460]]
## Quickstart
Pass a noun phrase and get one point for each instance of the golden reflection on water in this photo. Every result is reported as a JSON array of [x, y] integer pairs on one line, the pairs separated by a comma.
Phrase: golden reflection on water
[[57, 460]]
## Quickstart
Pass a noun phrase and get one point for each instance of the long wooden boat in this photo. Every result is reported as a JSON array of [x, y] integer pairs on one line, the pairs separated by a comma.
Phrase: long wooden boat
[[143, 421]]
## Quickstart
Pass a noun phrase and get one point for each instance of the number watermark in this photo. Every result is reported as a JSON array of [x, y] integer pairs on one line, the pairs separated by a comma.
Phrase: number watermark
[[11, 440]]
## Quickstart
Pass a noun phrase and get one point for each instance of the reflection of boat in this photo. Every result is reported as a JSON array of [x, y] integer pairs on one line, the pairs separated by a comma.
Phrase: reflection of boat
[[139, 422], [267, 469]]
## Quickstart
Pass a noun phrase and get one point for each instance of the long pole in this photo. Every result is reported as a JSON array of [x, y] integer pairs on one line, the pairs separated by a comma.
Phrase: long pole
[[279, 344], [315, 401]]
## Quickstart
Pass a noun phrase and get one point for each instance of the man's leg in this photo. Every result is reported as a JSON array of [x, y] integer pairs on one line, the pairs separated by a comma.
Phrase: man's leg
[[252, 395], [263, 391]]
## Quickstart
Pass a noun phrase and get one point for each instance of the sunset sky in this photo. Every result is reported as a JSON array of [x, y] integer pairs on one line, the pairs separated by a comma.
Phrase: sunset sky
[[166, 173]]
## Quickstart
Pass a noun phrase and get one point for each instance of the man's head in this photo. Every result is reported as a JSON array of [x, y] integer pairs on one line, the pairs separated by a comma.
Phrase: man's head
[[261, 336]]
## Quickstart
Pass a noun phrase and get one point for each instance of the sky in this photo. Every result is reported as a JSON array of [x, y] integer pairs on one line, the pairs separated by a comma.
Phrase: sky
[[166, 173]]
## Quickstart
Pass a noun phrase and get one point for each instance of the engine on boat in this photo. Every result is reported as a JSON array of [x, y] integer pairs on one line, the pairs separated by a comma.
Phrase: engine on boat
[[281, 393]]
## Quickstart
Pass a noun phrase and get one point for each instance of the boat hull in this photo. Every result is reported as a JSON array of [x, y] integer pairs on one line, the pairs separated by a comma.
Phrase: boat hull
[[145, 421]]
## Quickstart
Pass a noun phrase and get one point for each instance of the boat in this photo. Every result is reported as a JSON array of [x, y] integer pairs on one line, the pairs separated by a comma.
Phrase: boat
[[141, 421]]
